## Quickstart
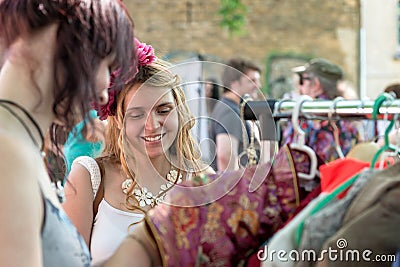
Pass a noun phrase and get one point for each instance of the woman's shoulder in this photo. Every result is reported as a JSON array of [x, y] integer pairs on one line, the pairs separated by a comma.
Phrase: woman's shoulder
[[22, 174]]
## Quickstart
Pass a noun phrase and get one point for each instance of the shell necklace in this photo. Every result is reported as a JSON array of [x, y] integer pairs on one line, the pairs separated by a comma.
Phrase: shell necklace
[[146, 197]]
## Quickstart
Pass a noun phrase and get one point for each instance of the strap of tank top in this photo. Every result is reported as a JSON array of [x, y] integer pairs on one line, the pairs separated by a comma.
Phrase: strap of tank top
[[93, 168]]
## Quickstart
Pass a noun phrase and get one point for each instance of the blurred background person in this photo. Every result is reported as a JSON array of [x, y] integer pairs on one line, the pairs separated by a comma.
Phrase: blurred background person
[[319, 79], [346, 90], [212, 94], [240, 77]]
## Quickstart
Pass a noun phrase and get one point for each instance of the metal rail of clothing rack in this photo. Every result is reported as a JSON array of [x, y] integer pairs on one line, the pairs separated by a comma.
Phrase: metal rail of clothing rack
[[268, 112]]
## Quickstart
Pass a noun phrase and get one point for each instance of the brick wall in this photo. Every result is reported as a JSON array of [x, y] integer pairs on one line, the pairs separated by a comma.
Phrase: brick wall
[[291, 27]]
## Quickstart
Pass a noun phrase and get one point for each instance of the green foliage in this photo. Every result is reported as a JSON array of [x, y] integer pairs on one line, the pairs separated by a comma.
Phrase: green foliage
[[233, 16]]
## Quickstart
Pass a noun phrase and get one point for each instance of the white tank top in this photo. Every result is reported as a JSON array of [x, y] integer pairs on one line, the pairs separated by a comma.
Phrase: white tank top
[[110, 225], [109, 230]]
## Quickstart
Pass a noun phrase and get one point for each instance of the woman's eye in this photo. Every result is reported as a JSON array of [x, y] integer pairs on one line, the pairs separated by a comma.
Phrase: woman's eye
[[164, 110], [135, 116]]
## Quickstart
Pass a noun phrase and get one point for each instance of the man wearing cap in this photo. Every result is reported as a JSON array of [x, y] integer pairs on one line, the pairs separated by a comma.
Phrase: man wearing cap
[[318, 79]]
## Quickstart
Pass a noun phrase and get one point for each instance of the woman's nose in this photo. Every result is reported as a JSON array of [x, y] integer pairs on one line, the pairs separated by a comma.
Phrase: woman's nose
[[152, 122], [103, 98]]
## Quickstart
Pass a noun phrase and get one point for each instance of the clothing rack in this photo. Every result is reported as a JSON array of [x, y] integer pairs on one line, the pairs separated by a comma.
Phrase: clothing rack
[[272, 110]]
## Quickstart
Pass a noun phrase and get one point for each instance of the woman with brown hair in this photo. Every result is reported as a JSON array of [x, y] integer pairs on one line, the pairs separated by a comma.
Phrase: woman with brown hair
[[57, 59]]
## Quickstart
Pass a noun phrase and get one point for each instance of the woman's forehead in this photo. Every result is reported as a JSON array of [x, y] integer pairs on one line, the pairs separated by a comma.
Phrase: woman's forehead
[[145, 96]]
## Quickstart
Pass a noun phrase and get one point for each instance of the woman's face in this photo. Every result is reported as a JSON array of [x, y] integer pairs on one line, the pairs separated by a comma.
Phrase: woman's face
[[103, 79], [102, 85], [151, 120]]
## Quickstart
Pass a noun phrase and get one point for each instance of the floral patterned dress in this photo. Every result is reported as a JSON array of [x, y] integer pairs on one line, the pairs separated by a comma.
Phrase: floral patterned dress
[[200, 229]]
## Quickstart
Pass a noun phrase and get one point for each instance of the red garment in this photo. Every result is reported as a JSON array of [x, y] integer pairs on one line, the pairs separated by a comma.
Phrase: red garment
[[313, 194], [253, 261], [338, 171]]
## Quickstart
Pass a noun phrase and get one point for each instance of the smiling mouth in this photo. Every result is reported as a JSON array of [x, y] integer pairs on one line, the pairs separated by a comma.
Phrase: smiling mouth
[[153, 138]]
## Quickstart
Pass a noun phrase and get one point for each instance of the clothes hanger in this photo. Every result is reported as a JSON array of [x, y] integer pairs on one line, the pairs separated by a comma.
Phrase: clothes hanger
[[365, 150], [299, 140], [382, 98], [335, 128], [387, 156]]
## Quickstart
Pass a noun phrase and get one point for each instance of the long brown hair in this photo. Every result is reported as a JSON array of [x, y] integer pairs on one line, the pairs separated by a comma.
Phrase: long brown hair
[[88, 31]]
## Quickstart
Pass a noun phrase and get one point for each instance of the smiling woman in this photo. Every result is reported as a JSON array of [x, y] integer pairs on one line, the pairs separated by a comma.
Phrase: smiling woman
[[149, 121], [158, 145]]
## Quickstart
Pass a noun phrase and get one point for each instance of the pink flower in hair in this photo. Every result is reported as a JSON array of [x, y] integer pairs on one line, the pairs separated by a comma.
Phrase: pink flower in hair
[[145, 56], [106, 110], [145, 53]]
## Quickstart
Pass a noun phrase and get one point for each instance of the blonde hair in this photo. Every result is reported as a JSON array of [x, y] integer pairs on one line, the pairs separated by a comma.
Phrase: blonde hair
[[185, 147]]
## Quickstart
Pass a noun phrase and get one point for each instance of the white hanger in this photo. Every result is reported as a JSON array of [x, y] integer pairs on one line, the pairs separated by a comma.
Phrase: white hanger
[[299, 140]]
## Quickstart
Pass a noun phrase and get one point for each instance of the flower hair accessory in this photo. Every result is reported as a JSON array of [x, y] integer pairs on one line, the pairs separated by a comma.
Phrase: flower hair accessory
[[145, 56], [145, 53]]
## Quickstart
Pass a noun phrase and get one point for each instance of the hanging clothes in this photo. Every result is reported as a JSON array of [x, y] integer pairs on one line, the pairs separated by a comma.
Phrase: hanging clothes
[[371, 221], [338, 171], [327, 221], [333, 175], [319, 136], [283, 240], [228, 230]]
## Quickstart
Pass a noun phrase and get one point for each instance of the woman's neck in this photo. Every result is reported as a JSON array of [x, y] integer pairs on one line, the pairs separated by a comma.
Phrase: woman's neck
[[26, 77], [152, 173]]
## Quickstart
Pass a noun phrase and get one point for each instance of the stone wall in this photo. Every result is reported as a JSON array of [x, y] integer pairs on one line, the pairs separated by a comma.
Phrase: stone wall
[[275, 29]]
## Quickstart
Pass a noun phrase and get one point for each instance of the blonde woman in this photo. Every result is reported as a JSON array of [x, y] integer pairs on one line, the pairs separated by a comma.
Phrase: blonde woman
[[160, 152]]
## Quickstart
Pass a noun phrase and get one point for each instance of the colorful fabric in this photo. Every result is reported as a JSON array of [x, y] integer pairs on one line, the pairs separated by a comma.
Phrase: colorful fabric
[[283, 240], [372, 221], [319, 136], [326, 222], [226, 231]]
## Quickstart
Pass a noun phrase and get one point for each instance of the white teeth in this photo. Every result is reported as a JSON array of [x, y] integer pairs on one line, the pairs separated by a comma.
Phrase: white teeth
[[153, 138]]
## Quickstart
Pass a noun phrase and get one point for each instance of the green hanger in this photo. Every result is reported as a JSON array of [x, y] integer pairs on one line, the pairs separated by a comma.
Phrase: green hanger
[[387, 146]]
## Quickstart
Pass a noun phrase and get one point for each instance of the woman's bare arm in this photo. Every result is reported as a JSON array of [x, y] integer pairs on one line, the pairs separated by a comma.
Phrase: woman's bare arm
[[138, 249], [79, 200]]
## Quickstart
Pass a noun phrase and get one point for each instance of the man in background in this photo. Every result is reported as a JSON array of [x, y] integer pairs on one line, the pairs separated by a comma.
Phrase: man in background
[[239, 78], [319, 79]]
